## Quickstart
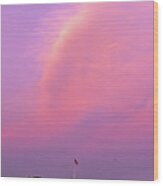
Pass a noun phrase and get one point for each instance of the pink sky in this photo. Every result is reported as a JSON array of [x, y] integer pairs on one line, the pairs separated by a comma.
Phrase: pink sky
[[77, 81]]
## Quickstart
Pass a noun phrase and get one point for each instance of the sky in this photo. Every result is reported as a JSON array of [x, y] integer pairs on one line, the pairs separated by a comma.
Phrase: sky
[[77, 83]]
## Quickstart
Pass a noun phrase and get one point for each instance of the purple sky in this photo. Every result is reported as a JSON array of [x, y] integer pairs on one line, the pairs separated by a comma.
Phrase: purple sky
[[77, 82]]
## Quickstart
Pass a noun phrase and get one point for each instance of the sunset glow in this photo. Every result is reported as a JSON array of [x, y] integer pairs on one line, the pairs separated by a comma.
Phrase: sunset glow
[[77, 83]]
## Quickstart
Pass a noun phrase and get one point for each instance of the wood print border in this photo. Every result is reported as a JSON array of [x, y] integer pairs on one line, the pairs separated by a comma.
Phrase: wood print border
[[155, 90]]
